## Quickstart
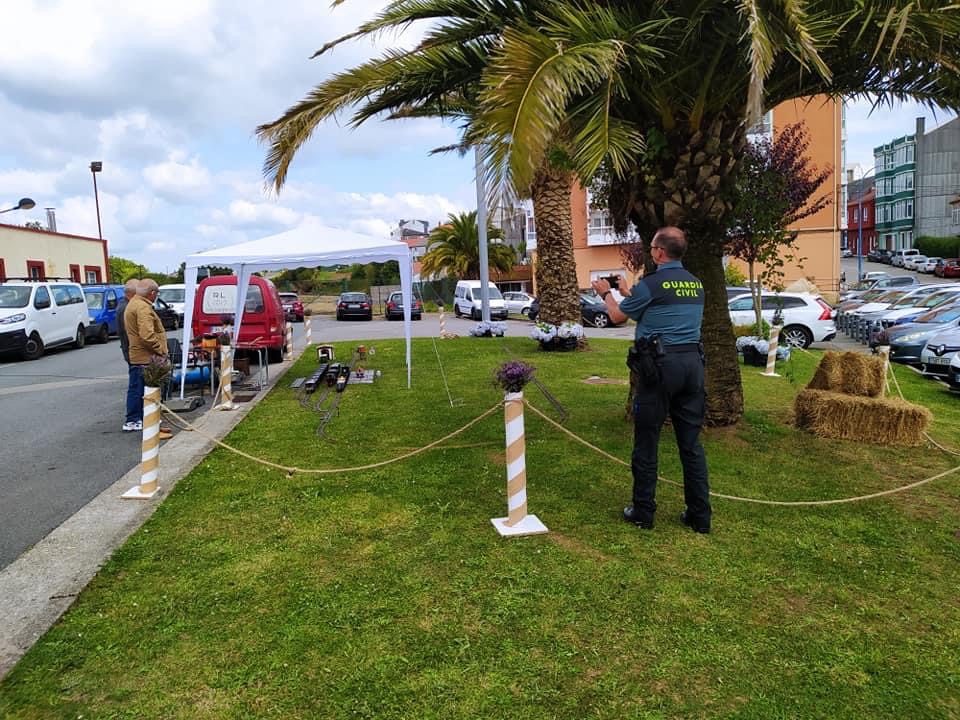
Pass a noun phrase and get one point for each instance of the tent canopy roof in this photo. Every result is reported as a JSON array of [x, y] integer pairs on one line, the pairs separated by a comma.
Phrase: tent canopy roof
[[309, 245]]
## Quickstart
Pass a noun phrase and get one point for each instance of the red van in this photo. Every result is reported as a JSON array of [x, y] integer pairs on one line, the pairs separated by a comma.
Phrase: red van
[[263, 324]]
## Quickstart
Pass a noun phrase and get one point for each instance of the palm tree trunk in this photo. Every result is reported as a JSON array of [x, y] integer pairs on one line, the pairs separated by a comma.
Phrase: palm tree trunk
[[555, 268]]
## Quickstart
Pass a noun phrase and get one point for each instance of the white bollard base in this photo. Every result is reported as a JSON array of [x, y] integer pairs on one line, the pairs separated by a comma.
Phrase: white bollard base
[[530, 525], [766, 374], [226, 406], [135, 493]]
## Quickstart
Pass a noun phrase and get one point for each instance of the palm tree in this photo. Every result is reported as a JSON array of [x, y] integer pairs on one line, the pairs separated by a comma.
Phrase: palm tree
[[726, 62], [441, 77], [454, 249]]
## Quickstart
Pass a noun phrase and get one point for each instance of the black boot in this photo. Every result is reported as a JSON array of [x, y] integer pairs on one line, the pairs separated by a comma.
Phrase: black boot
[[698, 527], [632, 515]]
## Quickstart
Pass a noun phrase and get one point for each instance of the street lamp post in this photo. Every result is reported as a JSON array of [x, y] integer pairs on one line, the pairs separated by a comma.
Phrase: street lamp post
[[95, 167], [24, 204]]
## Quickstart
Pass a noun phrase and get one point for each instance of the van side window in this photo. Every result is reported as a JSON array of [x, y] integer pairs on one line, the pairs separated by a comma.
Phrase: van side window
[[60, 295], [111, 300], [254, 299], [76, 295], [42, 298]]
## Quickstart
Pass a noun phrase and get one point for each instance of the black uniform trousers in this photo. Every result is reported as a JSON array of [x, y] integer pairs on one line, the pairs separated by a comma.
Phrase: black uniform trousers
[[680, 395]]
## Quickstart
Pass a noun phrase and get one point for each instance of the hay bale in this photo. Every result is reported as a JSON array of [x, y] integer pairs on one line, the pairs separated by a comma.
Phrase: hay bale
[[849, 373], [884, 421]]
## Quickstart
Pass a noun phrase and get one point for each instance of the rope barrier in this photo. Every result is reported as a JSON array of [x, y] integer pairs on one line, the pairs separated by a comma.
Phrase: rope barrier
[[290, 470], [756, 501]]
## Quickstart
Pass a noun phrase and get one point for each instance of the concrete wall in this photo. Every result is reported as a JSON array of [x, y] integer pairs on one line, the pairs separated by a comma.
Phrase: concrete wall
[[57, 252], [938, 180]]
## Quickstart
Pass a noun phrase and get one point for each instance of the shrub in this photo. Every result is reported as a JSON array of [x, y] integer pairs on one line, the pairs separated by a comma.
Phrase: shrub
[[751, 330], [948, 247], [734, 275]]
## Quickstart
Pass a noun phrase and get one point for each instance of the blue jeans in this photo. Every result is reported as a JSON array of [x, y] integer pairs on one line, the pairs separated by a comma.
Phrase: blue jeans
[[135, 394]]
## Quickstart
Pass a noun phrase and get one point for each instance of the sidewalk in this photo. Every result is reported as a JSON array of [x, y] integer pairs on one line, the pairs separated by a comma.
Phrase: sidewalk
[[39, 586]]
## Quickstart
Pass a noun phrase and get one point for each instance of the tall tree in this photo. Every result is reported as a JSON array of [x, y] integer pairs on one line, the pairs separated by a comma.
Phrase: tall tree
[[454, 249], [775, 190], [724, 64]]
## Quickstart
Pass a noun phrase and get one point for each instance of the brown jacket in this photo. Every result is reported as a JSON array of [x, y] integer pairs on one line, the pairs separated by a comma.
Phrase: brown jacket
[[144, 331]]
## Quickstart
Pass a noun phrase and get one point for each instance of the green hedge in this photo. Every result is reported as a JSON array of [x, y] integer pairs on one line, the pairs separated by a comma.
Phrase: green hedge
[[938, 247]]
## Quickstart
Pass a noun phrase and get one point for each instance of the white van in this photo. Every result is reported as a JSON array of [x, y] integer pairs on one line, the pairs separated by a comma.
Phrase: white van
[[467, 301], [39, 314], [173, 295], [900, 255]]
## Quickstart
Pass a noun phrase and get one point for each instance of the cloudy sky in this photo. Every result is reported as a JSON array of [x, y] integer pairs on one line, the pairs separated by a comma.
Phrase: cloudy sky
[[167, 95]]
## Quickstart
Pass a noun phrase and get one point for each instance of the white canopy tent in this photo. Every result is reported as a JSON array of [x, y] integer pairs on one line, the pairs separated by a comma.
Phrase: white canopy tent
[[309, 245]]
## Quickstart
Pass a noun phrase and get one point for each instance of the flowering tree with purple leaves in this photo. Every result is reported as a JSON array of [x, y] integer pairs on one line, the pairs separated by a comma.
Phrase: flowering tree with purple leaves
[[513, 375], [777, 182]]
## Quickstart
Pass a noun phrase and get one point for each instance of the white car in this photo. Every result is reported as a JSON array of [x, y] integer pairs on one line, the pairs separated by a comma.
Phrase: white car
[[915, 262], [806, 318], [930, 265], [954, 377], [37, 314], [517, 302], [173, 295], [939, 352], [921, 304]]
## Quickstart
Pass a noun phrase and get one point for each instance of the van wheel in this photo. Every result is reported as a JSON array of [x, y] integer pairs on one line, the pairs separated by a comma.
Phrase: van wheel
[[80, 339], [175, 325], [33, 348], [275, 355], [475, 314], [456, 310], [104, 335]]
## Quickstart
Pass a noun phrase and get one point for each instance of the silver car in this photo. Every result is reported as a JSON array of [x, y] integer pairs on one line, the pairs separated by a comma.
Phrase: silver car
[[518, 303]]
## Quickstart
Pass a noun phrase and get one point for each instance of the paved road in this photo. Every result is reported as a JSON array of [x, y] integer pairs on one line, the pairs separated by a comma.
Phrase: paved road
[[849, 266]]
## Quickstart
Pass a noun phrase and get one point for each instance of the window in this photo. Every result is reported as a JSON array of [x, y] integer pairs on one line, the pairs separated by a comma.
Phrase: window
[[909, 153], [909, 209], [75, 273], [954, 218], [742, 304], [3, 271], [856, 215], [60, 295], [36, 270], [866, 214], [909, 183], [42, 298], [75, 293]]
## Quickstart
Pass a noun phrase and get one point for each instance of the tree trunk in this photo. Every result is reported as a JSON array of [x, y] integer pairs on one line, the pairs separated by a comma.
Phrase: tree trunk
[[757, 298], [688, 180], [556, 269]]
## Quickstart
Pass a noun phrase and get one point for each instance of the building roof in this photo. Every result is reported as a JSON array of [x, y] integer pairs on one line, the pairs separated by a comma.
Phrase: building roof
[[41, 231]]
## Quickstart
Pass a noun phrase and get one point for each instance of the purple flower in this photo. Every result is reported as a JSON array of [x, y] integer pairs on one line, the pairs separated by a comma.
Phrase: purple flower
[[513, 375]]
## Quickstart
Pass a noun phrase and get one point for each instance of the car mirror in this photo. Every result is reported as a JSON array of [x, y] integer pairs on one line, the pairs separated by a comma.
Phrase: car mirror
[[42, 304]]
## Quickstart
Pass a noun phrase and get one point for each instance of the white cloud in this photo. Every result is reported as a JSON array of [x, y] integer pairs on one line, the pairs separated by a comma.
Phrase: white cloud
[[161, 245], [178, 181], [243, 213]]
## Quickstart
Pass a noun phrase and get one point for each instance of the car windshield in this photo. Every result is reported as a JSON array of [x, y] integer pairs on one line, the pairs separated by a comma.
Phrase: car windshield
[[938, 298], [289, 297], [94, 299], [909, 301], [890, 297], [171, 295], [15, 297], [941, 315], [353, 297], [863, 285]]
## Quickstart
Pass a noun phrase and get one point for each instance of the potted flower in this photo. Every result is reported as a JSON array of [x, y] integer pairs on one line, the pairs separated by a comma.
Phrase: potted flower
[[488, 329], [564, 336], [157, 372], [512, 375]]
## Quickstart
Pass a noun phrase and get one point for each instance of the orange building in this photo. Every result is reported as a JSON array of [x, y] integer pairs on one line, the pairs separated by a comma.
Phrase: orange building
[[596, 248]]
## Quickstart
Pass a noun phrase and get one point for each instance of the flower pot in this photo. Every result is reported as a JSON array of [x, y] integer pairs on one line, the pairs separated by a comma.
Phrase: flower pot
[[559, 344]]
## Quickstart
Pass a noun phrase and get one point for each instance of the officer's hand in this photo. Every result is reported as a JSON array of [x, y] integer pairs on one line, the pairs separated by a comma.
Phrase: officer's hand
[[600, 286]]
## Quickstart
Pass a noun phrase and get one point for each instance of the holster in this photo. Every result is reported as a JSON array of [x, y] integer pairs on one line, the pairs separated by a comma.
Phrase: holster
[[643, 358]]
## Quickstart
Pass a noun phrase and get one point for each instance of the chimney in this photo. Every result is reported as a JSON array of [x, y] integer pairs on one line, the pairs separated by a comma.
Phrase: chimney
[[850, 176], [921, 126], [51, 219]]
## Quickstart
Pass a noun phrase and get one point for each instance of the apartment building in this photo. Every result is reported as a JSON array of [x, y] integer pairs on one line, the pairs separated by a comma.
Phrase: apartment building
[[861, 215], [895, 166], [937, 186]]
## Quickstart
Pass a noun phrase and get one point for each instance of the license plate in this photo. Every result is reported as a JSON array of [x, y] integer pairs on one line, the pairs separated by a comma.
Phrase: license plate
[[939, 361], [353, 305]]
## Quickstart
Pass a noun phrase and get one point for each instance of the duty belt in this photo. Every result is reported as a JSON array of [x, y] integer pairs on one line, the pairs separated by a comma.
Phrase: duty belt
[[681, 348]]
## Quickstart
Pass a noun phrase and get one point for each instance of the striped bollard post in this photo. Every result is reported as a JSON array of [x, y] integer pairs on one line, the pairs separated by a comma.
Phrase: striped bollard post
[[288, 344], [443, 322], [771, 370], [226, 379], [149, 448], [517, 522], [308, 330], [884, 352]]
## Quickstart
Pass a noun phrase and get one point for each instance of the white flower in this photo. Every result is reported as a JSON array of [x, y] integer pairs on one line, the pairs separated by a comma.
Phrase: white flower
[[485, 329], [570, 330], [544, 332]]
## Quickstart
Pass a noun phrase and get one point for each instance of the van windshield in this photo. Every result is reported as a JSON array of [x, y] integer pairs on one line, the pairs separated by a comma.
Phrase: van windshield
[[94, 299], [222, 300], [15, 297], [174, 295]]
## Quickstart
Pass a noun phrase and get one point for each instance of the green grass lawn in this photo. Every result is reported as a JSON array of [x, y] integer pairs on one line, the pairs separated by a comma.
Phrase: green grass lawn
[[388, 593]]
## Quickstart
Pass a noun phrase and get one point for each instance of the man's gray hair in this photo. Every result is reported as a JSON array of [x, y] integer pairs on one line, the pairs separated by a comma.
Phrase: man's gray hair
[[130, 287], [147, 286]]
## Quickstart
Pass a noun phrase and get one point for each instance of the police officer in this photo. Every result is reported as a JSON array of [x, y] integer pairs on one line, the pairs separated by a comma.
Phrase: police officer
[[668, 356]]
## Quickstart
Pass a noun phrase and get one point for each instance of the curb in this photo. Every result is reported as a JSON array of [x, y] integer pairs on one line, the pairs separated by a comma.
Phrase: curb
[[40, 585]]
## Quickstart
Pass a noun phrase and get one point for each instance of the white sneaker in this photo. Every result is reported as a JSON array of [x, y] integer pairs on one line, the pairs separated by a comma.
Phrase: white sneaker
[[133, 426]]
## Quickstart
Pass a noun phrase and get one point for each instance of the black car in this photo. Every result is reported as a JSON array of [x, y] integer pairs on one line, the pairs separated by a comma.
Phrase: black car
[[394, 307], [592, 311], [169, 318], [354, 305]]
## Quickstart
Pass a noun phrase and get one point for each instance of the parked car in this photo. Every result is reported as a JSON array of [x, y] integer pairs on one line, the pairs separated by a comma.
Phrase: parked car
[[292, 307], [846, 252], [40, 314], [875, 255], [394, 307], [948, 268], [467, 300], [263, 326], [735, 291], [173, 295], [102, 302], [870, 320], [940, 351], [915, 262], [918, 302], [954, 377], [518, 302], [908, 340], [901, 255], [806, 318], [169, 318], [593, 311], [354, 305], [930, 265]]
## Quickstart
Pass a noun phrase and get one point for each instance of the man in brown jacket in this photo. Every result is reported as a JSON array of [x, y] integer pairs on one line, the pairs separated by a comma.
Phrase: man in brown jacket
[[147, 338]]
